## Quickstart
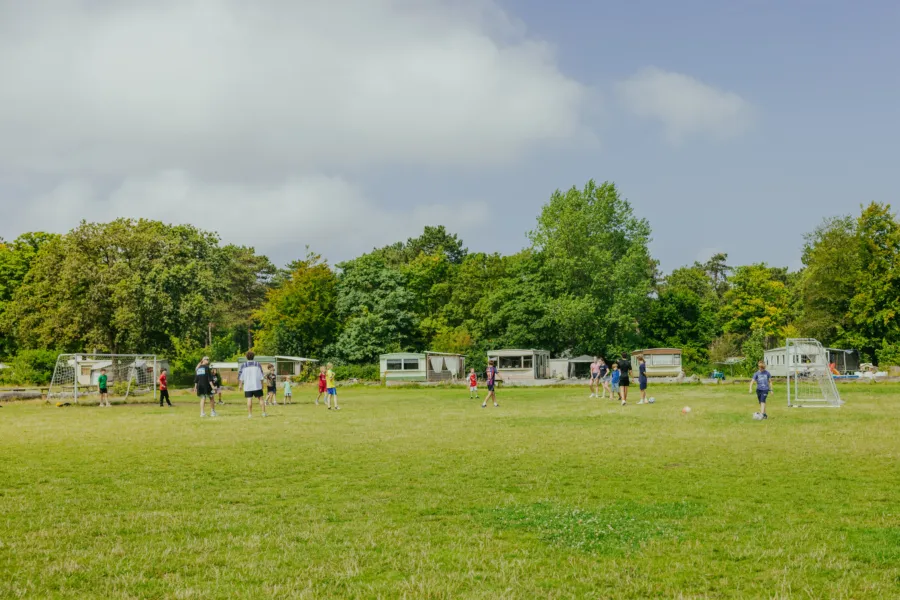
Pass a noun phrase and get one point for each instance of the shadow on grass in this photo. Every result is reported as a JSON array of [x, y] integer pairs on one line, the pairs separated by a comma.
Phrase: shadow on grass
[[617, 529]]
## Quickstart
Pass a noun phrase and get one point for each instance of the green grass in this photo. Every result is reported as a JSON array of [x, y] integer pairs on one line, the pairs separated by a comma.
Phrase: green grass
[[420, 493]]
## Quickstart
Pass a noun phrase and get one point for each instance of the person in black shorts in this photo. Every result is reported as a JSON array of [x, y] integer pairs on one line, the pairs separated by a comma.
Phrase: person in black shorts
[[271, 386], [203, 386], [625, 377]]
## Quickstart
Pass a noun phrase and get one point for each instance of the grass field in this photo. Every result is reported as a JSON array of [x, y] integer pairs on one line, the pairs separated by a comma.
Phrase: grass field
[[420, 493]]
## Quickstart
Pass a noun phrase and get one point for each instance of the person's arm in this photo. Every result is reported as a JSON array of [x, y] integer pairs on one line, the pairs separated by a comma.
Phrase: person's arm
[[752, 379], [771, 384]]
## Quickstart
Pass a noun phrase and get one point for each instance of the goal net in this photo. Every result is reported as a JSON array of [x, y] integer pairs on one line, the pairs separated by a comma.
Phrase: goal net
[[809, 379], [76, 376]]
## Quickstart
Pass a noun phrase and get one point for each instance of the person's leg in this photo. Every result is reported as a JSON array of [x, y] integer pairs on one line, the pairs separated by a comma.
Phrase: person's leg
[[202, 405], [623, 392], [262, 404], [334, 398], [249, 406]]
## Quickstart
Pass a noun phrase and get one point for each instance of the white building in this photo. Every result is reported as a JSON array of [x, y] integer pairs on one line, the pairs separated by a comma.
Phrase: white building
[[661, 362], [521, 364], [422, 366]]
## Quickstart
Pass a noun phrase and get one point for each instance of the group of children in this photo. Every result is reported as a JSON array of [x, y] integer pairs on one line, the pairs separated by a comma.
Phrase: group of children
[[617, 380]]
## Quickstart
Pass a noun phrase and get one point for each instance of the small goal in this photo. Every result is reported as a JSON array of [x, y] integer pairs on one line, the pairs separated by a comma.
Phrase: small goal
[[809, 379], [76, 376]]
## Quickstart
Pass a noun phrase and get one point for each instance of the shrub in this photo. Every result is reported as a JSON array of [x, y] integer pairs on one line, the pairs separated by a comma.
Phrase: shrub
[[30, 367]]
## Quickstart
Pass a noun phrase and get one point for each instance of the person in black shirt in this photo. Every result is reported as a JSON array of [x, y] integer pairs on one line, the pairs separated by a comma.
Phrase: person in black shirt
[[203, 386], [625, 378], [642, 378]]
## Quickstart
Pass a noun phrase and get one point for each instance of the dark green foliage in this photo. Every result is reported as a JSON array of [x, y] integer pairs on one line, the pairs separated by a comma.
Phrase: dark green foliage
[[30, 367]]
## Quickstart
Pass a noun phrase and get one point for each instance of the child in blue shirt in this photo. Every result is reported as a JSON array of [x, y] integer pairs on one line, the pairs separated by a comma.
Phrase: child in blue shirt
[[614, 381], [763, 381]]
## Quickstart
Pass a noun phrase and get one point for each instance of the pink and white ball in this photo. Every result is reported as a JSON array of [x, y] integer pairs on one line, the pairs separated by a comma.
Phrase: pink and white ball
[[685, 410]]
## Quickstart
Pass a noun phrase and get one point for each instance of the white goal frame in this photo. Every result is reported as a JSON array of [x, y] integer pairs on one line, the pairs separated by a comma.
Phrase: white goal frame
[[810, 383], [121, 366]]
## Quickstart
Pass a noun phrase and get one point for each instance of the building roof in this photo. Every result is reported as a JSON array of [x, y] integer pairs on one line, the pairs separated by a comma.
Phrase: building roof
[[514, 352], [277, 358], [650, 351], [403, 355], [582, 359], [225, 365]]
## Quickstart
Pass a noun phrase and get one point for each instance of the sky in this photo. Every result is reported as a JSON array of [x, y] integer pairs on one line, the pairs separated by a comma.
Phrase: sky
[[342, 126]]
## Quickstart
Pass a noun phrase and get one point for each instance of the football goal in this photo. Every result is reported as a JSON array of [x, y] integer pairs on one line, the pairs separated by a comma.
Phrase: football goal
[[77, 376], [809, 379]]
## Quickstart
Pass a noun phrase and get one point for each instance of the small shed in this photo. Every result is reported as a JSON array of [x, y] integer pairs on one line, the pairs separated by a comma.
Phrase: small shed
[[845, 361], [661, 362], [521, 364], [422, 366]]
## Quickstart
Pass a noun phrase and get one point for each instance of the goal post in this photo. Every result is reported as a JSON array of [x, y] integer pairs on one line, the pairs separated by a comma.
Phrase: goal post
[[76, 376], [809, 379]]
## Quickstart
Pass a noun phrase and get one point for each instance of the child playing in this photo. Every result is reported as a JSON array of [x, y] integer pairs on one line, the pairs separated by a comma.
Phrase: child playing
[[288, 397], [763, 381], [323, 386], [271, 386], [332, 390], [614, 382], [473, 384], [491, 381], [104, 391]]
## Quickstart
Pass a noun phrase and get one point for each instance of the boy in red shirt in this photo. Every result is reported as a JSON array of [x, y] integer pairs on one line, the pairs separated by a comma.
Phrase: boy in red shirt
[[473, 384], [164, 388], [322, 384]]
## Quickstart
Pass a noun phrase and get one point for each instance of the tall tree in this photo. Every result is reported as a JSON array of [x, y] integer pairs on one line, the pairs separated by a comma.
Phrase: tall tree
[[596, 254], [832, 267], [299, 318], [125, 286], [758, 299], [376, 310], [16, 258], [875, 308], [248, 277]]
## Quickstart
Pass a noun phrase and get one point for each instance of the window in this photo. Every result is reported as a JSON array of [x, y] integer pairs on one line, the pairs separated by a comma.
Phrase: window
[[527, 362], [676, 359], [410, 364], [85, 371], [510, 362], [663, 359], [394, 364]]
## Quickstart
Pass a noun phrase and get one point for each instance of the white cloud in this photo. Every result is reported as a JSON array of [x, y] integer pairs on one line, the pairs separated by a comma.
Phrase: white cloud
[[271, 87], [329, 214], [685, 106]]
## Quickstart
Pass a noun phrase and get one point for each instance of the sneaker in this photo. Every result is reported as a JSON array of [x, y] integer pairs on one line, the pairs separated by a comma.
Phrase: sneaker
[[249, 416], [497, 405], [623, 403], [202, 415], [765, 416], [265, 415], [213, 414], [274, 403], [640, 401], [484, 405], [337, 408]]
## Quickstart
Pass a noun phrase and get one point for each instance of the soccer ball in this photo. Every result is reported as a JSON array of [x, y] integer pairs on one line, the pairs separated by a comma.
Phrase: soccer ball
[[651, 400], [686, 410], [757, 416]]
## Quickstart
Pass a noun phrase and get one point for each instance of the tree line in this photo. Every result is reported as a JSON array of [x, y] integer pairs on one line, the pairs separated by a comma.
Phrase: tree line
[[586, 284]]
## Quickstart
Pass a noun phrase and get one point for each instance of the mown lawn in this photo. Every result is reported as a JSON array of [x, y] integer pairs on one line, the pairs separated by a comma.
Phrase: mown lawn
[[420, 493]]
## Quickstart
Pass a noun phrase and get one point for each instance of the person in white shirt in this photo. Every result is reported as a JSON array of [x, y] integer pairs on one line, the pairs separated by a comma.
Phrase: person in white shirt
[[250, 379]]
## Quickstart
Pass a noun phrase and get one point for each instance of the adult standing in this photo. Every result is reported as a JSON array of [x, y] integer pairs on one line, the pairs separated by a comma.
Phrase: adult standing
[[203, 386], [625, 377], [164, 388], [491, 382], [250, 379]]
